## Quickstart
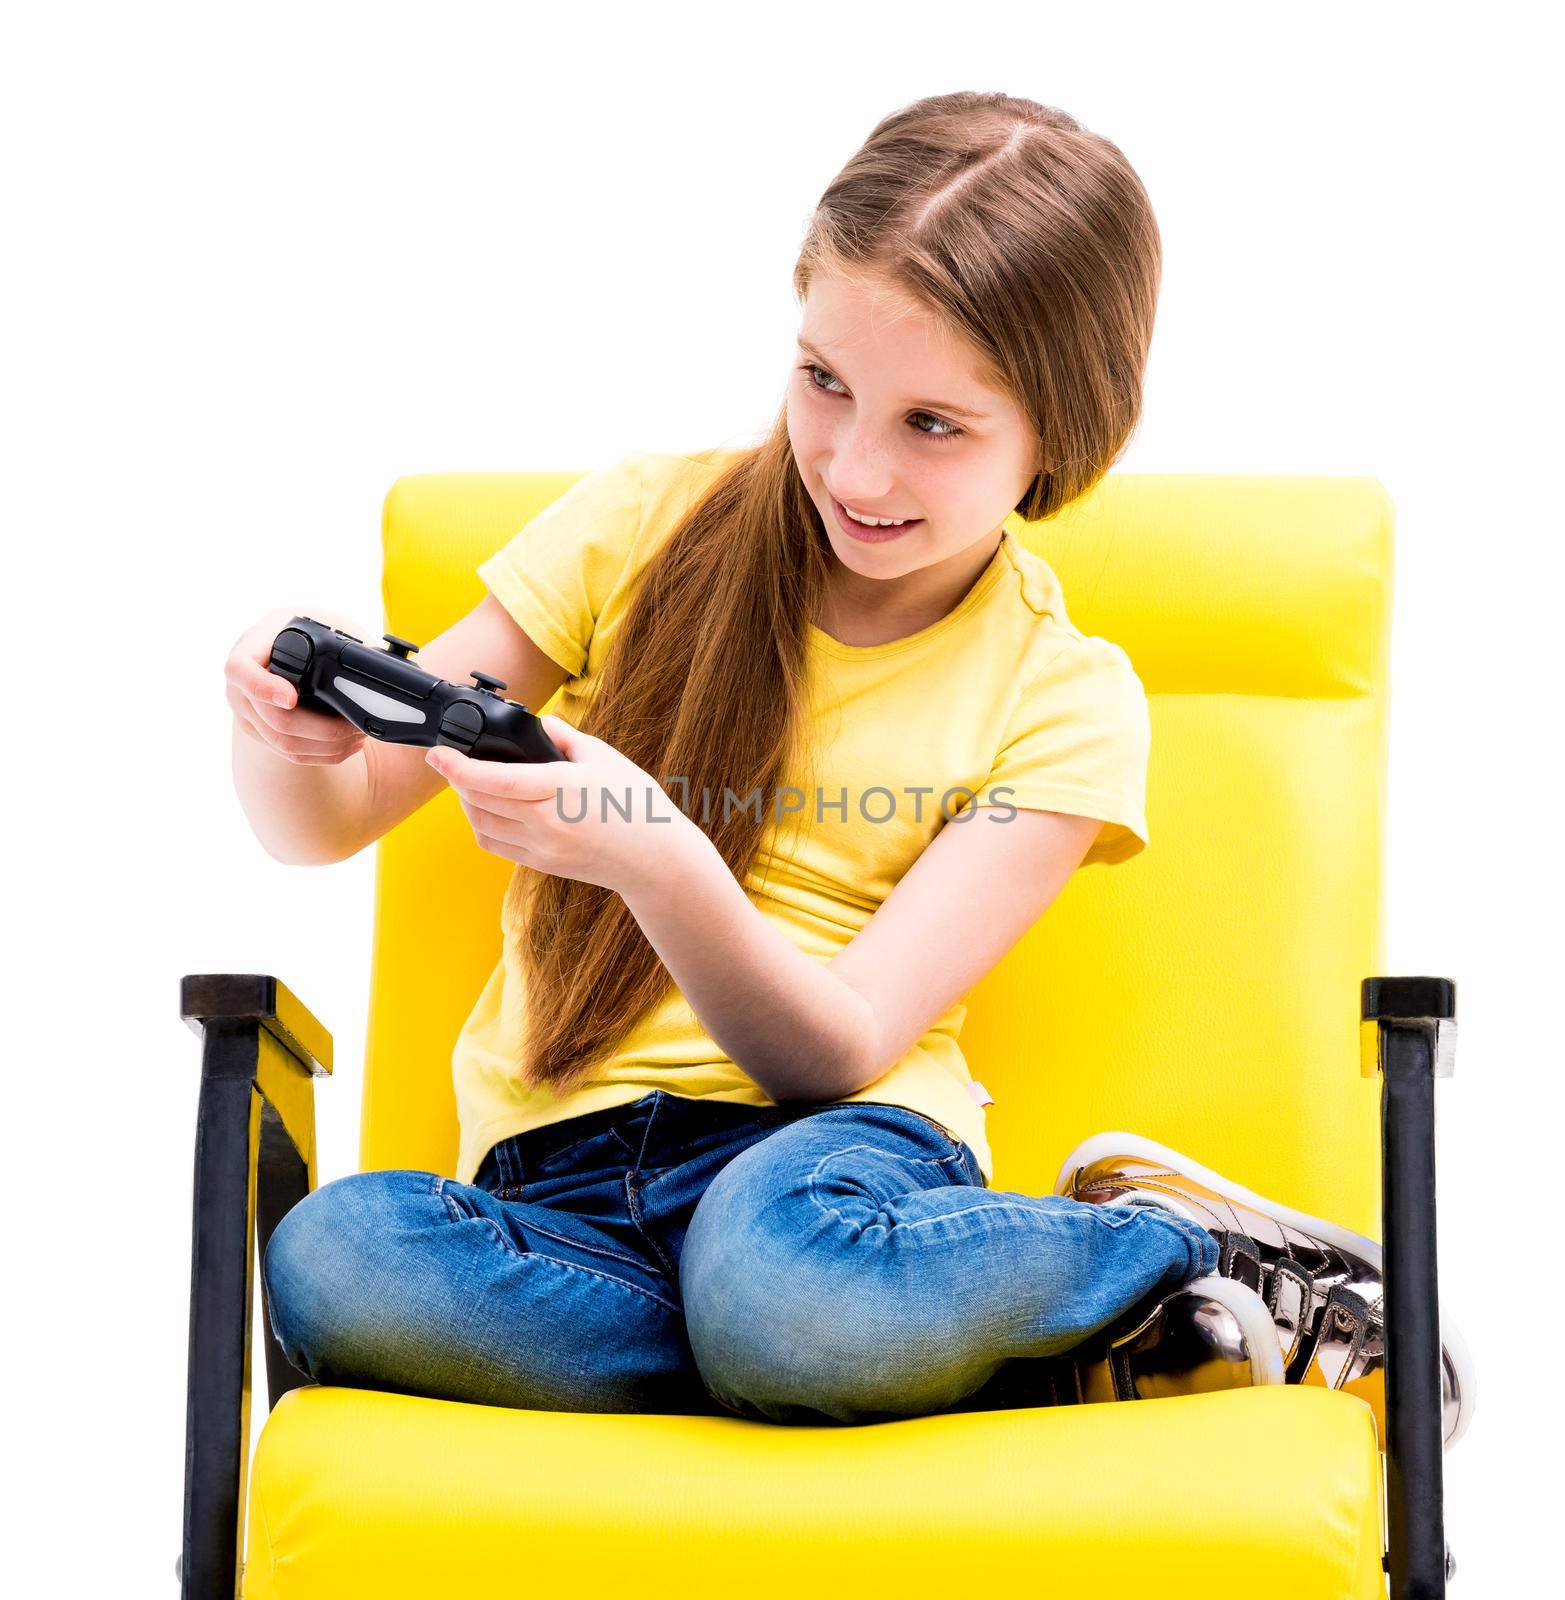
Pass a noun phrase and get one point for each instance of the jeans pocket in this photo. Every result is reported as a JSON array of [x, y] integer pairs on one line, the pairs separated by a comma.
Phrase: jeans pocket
[[949, 1139], [603, 1147]]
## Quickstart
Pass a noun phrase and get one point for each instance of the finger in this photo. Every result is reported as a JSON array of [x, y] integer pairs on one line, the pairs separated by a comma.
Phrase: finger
[[488, 825], [503, 835], [509, 852], [315, 761], [508, 780], [514, 821], [265, 689], [249, 729], [259, 684], [315, 730], [564, 736], [300, 757]]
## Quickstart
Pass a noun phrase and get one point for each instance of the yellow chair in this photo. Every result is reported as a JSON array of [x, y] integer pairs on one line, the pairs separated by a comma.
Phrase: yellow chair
[[1212, 994]]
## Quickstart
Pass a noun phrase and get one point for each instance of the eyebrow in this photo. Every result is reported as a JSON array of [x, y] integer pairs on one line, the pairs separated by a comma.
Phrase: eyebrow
[[922, 405]]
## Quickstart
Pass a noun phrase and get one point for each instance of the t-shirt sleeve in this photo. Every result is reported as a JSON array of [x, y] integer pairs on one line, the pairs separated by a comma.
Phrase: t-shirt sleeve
[[555, 575], [1078, 741]]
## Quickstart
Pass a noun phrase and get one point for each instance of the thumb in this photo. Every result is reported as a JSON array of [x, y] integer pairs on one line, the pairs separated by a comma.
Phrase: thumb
[[569, 740], [446, 760]]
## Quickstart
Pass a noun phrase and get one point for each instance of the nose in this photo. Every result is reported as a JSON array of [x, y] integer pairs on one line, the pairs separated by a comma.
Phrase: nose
[[860, 473]]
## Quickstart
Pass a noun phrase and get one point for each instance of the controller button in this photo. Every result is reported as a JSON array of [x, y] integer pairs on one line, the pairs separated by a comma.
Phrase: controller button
[[462, 724], [353, 636], [485, 682], [290, 649], [400, 648]]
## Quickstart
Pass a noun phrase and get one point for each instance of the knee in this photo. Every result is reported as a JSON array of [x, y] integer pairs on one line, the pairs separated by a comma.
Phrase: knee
[[785, 1328], [321, 1262], [780, 1353]]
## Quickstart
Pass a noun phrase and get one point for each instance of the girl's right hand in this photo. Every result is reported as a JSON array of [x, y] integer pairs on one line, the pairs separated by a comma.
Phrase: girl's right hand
[[266, 704]]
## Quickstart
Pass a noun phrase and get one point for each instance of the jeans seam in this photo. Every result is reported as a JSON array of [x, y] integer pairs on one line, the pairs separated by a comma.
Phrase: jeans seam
[[670, 1271], [639, 1153], [945, 1216], [1158, 1214], [548, 1233], [939, 1127], [575, 1144], [1183, 1229], [935, 1161], [505, 1153], [575, 1266], [949, 1139], [580, 1244]]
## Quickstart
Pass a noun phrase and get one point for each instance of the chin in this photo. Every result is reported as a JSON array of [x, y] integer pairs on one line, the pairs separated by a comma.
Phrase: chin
[[874, 561]]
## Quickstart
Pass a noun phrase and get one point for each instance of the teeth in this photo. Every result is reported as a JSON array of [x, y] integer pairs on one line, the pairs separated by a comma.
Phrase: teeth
[[876, 522]]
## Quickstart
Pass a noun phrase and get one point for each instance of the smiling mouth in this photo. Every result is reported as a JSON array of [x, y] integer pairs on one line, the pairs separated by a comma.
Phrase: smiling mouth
[[863, 531], [878, 516]]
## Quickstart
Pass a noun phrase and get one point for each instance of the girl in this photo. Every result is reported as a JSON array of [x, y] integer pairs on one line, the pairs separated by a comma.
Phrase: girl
[[719, 1147]]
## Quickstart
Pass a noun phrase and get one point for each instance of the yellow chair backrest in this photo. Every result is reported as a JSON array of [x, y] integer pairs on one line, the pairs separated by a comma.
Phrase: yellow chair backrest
[[1205, 994]]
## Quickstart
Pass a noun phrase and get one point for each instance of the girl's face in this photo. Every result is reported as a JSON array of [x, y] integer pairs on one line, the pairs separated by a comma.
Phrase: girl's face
[[888, 417]]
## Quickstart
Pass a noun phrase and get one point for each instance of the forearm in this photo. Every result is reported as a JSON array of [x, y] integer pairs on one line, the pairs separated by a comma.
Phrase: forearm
[[303, 815], [790, 1023]]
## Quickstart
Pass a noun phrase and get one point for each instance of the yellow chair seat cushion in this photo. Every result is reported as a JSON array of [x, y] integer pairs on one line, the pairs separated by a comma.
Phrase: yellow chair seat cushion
[[1251, 1491]]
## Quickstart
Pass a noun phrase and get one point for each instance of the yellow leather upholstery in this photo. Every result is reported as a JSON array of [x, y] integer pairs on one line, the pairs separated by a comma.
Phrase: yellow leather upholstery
[[1263, 1492], [1205, 994]]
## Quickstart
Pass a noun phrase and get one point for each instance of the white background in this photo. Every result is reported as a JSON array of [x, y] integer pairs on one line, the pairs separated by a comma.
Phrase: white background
[[264, 260]]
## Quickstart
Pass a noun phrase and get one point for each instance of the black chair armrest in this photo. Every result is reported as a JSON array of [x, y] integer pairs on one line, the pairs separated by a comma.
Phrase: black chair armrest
[[255, 1159], [1407, 1036]]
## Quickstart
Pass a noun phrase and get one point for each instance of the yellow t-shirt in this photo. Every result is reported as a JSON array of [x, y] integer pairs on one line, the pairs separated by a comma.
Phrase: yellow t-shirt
[[1002, 694]]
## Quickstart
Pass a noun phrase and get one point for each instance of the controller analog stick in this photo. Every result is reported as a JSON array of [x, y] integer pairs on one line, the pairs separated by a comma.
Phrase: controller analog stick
[[400, 648], [484, 681]]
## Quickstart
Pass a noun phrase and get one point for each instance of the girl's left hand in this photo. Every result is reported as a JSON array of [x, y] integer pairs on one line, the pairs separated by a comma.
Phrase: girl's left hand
[[567, 818]]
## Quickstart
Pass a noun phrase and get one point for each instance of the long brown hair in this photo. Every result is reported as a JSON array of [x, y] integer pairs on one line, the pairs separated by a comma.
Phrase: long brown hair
[[1031, 238]]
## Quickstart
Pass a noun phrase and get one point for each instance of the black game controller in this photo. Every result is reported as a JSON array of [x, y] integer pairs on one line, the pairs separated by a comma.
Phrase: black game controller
[[385, 695]]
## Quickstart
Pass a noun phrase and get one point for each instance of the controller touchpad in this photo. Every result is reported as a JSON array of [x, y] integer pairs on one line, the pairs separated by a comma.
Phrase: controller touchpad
[[377, 704]]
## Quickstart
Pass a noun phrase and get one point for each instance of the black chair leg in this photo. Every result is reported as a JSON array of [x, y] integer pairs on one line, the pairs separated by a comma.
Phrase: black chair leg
[[255, 1157], [1403, 1042]]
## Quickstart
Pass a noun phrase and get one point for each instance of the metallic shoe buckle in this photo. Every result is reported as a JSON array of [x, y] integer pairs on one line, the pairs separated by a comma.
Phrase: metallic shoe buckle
[[1286, 1270], [1343, 1309], [1239, 1258], [1351, 1313]]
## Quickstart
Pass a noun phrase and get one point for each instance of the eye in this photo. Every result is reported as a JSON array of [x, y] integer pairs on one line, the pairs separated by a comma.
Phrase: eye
[[949, 429]]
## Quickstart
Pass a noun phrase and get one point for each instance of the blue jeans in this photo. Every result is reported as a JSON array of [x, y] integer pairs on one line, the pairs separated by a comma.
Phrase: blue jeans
[[808, 1263]]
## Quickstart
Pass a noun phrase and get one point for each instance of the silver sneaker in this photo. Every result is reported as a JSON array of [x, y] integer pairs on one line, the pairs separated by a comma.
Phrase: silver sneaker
[[1321, 1283], [1212, 1333]]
